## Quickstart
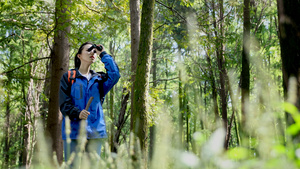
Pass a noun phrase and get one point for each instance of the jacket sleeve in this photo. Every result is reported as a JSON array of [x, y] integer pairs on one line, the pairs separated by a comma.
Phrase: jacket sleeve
[[67, 108], [112, 72]]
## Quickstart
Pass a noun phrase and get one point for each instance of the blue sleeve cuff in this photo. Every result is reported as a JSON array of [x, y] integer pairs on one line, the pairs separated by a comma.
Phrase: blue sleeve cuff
[[102, 54]]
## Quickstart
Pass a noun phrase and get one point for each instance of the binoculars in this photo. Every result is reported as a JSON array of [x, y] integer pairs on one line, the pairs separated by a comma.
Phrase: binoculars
[[94, 46]]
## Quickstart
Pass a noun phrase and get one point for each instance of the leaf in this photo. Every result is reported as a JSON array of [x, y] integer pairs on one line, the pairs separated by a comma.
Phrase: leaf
[[290, 108], [280, 149], [238, 153], [293, 129]]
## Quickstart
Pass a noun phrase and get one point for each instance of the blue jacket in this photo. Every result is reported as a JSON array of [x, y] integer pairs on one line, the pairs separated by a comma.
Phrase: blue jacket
[[74, 97]]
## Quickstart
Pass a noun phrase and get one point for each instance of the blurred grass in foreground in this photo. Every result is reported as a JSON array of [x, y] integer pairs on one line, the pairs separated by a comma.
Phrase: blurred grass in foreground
[[210, 153], [268, 143]]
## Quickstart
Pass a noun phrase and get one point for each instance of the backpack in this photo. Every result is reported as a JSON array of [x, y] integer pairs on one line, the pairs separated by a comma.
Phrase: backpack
[[72, 78]]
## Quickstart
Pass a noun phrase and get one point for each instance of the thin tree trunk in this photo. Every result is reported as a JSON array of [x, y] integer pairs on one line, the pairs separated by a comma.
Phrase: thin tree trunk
[[237, 133], [6, 148], [245, 74], [186, 115], [37, 89], [221, 64], [111, 103], [167, 75], [187, 128], [181, 111], [196, 102], [135, 39], [28, 126], [45, 103], [20, 136], [153, 128], [111, 108], [139, 115], [24, 128], [60, 65], [121, 119], [213, 88], [28, 118]]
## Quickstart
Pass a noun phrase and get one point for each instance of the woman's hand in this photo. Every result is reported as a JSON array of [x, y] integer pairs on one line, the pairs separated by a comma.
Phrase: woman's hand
[[98, 51], [84, 114]]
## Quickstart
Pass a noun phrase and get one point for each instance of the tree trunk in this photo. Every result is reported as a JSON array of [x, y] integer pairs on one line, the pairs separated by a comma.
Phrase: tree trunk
[[45, 103], [153, 128], [141, 83], [221, 66], [289, 34], [111, 108], [121, 119], [28, 127], [245, 74], [180, 117], [60, 64], [135, 39], [187, 115], [111, 104], [213, 88], [6, 148]]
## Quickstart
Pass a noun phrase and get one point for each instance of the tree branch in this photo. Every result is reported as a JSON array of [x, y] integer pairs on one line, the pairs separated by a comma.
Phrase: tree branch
[[260, 19], [160, 80], [172, 9], [159, 26], [23, 25], [93, 10], [219, 20], [4, 73], [29, 12]]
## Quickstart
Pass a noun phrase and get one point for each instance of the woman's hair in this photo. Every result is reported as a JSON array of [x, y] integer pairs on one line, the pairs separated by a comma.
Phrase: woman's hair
[[77, 60]]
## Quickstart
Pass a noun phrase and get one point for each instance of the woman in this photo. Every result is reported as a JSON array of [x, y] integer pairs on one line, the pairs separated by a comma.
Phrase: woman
[[77, 86]]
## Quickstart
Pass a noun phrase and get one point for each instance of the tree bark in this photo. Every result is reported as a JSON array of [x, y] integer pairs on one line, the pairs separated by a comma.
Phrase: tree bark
[[111, 104], [121, 119], [221, 66], [45, 103], [135, 39], [245, 74], [153, 128], [111, 108], [181, 111], [141, 83], [60, 65], [289, 35], [6, 134], [213, 88]]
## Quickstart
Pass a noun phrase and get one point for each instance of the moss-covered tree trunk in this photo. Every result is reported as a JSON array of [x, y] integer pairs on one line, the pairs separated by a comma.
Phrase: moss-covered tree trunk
[[135, 39], [60, 65], [139, 112]]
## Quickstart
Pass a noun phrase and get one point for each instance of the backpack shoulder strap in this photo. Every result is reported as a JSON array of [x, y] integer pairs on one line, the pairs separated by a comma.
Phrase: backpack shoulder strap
[[101, 91], [71, 76]]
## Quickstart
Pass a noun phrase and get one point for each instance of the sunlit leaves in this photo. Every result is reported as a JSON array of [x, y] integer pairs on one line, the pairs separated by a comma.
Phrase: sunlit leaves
[[292, 109], [238, 153]]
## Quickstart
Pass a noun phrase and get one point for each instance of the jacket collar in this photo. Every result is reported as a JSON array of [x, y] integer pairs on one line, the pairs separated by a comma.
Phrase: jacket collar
[[78, 74]]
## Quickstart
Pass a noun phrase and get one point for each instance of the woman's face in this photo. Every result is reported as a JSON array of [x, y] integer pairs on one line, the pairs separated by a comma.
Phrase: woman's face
[[87, 57]]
